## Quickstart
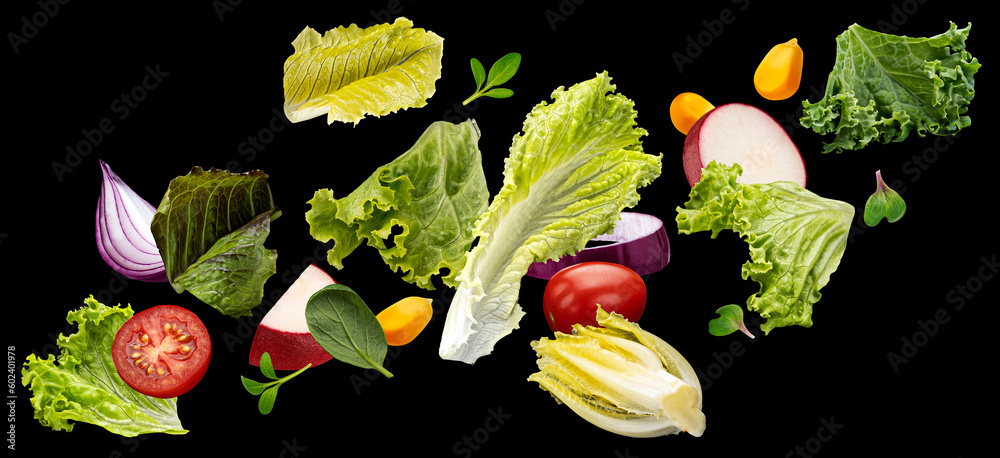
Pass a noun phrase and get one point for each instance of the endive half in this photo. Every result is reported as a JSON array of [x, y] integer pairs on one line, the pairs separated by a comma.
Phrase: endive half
[[621, 378]]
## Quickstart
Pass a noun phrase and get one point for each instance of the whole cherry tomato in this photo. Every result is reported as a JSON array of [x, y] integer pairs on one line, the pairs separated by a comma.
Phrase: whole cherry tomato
[[573, 294]]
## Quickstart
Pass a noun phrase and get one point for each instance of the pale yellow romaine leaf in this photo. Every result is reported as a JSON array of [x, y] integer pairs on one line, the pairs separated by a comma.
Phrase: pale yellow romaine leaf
[[350, 72]]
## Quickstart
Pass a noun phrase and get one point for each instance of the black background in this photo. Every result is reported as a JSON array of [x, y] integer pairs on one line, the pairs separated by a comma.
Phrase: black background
[[768, 397]]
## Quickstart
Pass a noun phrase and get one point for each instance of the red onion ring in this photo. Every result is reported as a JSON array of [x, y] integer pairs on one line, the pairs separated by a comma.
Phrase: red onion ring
[[639, 242]]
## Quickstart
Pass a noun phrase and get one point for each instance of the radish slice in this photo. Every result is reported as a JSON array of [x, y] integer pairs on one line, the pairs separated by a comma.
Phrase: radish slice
[[639, 242], [123, 233], [737, 133]]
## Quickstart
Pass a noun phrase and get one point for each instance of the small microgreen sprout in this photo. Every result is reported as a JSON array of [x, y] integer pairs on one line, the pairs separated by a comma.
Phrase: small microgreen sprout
[[501, 71], [268, 391], [730, 319], [884, 203]]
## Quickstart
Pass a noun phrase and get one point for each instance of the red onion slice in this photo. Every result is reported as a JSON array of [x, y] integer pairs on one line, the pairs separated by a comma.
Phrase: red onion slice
[[123, 233], [639, 242]]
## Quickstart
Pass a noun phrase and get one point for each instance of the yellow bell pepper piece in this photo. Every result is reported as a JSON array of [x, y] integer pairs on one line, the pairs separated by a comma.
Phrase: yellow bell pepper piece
[[686, 108], [779, 73], [405, 319]]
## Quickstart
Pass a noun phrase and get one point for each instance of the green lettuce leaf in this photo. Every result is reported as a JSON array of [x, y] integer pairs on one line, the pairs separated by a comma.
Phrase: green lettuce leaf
[[433, 192], [82, 385], [209, 228], [350, 72], [231, 275], [796, 238], [577, 164], [884, 87]]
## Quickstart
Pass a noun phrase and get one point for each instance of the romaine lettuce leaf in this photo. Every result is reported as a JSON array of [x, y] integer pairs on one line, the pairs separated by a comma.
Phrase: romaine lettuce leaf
[[230, 276], [350, 72], [577, 164], [884, 87], [433, 192], [796, 238], [83, 384], [209, 228]]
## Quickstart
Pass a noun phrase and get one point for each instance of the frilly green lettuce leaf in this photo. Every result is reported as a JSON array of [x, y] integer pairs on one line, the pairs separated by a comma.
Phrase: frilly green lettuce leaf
[[350, 72], [577, 164], [433, 193], [82, 385], [210, 244], [796, 238], [884, 87]]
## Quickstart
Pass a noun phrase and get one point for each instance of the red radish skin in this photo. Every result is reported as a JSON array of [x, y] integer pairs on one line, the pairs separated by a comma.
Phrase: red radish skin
[[283, 333], [746, 135]]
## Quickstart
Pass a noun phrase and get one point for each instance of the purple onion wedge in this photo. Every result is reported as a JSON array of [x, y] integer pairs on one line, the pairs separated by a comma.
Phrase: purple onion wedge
[[122, 229]]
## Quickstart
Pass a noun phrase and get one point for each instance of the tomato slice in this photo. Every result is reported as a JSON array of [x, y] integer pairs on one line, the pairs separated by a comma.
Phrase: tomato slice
[[162, 351], [572, 294]]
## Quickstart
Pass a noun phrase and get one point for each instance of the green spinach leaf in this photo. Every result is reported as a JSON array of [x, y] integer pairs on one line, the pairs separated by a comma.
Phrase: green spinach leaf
[[346, 328]]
